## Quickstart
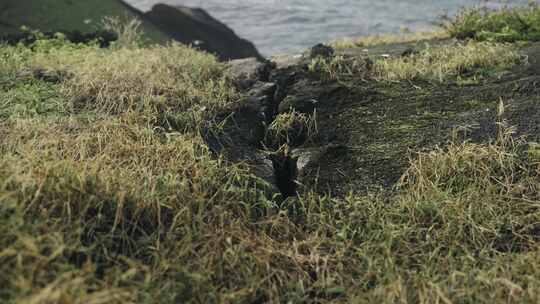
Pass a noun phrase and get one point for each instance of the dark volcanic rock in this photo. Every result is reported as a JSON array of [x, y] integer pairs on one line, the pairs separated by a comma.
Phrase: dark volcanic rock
[[196, 27], [321, 50], [246, 72], [367, 130]]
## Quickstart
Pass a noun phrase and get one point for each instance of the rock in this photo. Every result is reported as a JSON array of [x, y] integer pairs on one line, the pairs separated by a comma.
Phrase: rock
[[305, 96], [195, 26], [309, 157], [240, 140], [409, 52], [285, 172], [321, 50], [260, 100], [286, 61], [246, 72]]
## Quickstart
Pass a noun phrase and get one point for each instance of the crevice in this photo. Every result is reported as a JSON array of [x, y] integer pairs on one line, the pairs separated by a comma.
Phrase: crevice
[[285, 172]]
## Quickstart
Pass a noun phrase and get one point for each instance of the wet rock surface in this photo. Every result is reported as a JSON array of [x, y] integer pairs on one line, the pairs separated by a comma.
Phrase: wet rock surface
[[367, 132]]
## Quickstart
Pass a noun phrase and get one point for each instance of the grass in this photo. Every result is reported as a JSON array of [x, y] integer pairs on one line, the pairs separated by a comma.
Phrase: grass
[[340, 68], [506, 25], [65, 15], [173, 87], [378, 40], [292, 128], [460, 60], [108, 194], [76, 153]]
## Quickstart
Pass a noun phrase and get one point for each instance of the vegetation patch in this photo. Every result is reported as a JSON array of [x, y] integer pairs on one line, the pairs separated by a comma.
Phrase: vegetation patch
[[505, 25], [292, 128], [377, 40], [340, 68], [451, 62], [108, 193]]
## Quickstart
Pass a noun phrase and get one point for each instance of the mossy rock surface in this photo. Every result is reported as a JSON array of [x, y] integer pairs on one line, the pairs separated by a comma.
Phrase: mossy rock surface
[[374, 128], [69, 15]]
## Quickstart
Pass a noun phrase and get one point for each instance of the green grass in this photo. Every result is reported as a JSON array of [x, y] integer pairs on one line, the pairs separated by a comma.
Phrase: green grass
[[458, 61], [450, 62], [55, 15], [378, 40], [506, 25], [291, 128], [108, 194]]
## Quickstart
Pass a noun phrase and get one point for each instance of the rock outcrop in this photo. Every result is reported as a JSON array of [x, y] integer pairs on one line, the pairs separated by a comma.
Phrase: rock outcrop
[[196, 27], [367, 130], [80, 20]]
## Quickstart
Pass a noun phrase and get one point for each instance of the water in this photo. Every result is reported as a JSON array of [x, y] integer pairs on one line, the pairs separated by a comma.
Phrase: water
[[290, 26]]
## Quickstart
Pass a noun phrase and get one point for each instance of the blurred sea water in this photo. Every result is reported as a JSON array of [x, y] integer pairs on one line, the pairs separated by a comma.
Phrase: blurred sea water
[[290, 26]]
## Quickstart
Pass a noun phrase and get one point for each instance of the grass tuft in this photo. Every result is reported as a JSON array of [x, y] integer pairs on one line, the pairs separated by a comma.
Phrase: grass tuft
[[292, 128], [378, 40], [505, 25], [340, 68], [460, 60]]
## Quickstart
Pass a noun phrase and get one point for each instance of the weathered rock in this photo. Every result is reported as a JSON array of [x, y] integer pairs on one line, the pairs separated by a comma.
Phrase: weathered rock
[[285, 172], [260, 100], [305, 95], [309, 158], [321, 50], [246, 72], [368, 131], [196, 27], [244, 131]]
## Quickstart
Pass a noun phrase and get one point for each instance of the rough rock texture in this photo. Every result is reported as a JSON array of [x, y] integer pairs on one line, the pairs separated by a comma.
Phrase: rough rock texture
[[246, 72], [196, 27], [368, 130], [321, 50]]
